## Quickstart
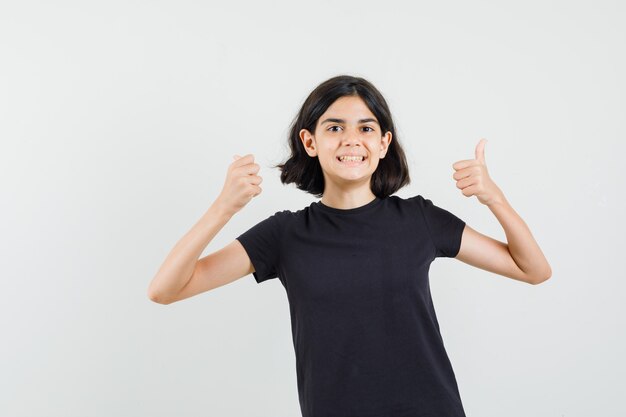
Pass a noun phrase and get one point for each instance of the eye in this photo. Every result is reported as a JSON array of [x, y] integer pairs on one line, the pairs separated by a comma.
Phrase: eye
[[370, 129], [332, 128]]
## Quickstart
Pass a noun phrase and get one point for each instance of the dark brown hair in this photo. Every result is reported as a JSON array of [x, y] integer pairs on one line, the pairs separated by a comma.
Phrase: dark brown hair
[[392, 172]]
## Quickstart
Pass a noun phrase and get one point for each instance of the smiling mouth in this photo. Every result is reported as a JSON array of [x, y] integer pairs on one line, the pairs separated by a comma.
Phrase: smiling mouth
[[347, 161]]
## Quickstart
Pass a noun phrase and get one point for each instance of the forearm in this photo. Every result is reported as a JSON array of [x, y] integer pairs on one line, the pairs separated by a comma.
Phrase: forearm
[[521, 244], [179, 265]]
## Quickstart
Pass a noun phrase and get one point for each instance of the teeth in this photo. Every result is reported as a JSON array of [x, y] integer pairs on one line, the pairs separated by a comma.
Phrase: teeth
[[351, 158]]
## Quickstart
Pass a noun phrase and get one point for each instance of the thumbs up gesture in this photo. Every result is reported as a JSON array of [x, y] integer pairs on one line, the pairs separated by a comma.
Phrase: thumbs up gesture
[[473, 179]]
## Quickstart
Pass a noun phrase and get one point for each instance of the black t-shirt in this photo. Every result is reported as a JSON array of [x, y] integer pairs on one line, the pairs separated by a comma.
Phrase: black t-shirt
[[364, 329]]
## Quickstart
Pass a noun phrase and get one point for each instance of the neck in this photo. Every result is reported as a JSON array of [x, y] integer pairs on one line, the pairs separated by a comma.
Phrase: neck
[[347, 200]]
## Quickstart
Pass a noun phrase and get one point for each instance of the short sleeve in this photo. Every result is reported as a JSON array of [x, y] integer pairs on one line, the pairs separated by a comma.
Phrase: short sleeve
[[445, 228], [262, 243]]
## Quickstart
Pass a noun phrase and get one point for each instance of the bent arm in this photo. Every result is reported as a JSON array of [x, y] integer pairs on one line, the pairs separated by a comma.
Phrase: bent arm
[[521, 243], [520, 258], [178, 267]]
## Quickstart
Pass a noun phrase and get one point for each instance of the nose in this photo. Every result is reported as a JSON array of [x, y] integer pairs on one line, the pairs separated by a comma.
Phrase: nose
[[352, 137]]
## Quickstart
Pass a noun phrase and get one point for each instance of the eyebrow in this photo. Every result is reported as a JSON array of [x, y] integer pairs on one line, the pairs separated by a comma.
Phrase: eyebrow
[[331, 120]]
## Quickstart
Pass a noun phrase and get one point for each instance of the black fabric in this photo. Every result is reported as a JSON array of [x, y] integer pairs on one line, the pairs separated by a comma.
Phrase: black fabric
[[366, 337]]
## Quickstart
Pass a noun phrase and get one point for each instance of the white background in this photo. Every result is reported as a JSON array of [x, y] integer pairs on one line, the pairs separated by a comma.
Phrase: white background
[[119, 119]]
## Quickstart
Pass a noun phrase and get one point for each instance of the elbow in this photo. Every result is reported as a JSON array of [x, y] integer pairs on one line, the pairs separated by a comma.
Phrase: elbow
[[542, 278], [157, 297]]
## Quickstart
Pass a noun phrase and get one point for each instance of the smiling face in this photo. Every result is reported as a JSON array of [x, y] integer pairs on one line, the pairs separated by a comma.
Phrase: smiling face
[[348, 127]]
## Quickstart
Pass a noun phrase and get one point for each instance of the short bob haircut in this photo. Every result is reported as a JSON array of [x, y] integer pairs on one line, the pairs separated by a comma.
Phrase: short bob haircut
[[392, 172]]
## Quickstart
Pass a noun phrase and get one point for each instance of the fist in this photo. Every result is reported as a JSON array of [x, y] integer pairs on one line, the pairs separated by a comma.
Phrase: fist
[[241, 184]]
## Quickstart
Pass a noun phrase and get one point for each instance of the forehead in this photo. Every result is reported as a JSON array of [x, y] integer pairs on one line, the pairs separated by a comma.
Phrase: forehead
[[348, 107]]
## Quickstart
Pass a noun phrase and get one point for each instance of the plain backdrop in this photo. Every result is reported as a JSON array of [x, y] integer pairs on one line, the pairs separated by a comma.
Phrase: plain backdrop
[[118, 121]]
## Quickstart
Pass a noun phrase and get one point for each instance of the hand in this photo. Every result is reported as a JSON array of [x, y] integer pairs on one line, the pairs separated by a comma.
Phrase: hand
[[473, 179], [241, 184]]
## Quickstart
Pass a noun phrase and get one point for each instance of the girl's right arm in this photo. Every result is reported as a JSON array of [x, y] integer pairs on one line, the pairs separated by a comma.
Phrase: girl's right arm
[[182, 275]]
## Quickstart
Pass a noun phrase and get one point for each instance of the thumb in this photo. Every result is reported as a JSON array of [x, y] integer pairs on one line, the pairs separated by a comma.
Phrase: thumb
[[480, 151], [235, 157]]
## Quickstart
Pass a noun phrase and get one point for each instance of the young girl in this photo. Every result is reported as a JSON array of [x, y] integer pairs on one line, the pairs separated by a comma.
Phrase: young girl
[[355, 264]]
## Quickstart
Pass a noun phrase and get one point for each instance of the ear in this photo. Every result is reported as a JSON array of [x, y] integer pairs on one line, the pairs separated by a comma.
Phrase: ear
[[384, 143], [308, 141]]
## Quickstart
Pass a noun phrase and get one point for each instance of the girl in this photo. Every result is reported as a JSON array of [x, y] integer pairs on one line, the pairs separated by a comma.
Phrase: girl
[[355, 264]]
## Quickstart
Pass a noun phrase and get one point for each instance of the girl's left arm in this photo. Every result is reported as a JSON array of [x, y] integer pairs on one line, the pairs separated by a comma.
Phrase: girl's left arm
[[521, 257]]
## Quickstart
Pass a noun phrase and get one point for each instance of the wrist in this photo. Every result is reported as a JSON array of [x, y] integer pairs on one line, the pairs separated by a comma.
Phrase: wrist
[[220, 210], [498, 200]]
